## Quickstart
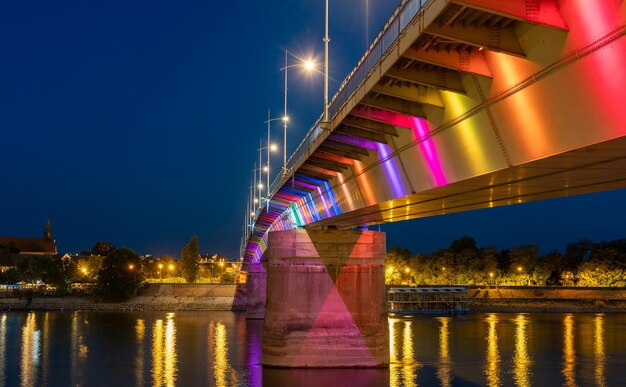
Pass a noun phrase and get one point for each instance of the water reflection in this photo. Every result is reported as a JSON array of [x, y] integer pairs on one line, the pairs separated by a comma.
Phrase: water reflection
[[598, 345], [492, 366], [164, 366], [140, 331], [45, 348], [188, 349], [3, 348], [569, 353], [403, 367], [521, 358], [31, 347], [223, 373], [79, 350], [445, 365]]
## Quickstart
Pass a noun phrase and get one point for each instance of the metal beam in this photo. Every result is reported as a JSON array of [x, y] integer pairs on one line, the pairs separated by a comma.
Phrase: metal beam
[[544, 12], [438, 79], [340, 152], [325, 163], [496, 39], [335, 142], [360, 133], [396, 105], [361, 121], [472, 62], [410, 92]]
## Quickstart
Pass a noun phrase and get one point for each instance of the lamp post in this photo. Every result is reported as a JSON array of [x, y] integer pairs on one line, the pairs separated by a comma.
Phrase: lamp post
[[326, 41], [309, 66], [270, 148]]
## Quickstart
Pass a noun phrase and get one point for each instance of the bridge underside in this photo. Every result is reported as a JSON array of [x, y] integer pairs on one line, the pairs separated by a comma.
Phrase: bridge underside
[[600, 167], [475, 104]]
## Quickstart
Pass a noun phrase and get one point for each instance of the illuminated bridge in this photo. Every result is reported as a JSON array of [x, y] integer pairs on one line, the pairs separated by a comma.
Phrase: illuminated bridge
[[457, 105]]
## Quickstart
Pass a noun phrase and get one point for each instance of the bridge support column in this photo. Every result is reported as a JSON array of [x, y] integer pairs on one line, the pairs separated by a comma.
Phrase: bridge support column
[[326, 299], [256, 282]]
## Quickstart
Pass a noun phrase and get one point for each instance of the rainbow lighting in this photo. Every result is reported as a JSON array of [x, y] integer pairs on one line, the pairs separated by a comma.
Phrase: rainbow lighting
[[464, 105]]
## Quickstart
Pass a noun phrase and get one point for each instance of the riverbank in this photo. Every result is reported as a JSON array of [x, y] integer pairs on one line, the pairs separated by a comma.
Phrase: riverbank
[[155, 297], [221, 297], [547, 299]]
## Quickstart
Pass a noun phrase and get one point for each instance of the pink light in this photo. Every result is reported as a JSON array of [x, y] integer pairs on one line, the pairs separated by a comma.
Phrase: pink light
[[420, 129]]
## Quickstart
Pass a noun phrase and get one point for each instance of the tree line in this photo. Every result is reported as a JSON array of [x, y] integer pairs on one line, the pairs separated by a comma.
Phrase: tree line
[[118, 273], [584, 263]]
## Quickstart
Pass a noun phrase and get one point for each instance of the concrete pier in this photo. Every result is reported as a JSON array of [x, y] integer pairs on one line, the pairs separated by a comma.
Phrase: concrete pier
[[256, 281], [325, 299]]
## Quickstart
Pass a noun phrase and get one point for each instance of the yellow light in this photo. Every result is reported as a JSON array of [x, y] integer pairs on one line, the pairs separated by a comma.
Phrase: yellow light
[[160, 266], [260, 187], [273, 148], [256, 200], [443, 268], [131, 266], [390, 269], [309, 65], [491, 275], [519, 268], [265, 169], [406, 270], [84, 270], [171, 267], [285, 118], [222, 264]]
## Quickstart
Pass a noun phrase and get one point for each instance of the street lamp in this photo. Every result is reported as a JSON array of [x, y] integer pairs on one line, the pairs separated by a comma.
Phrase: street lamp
[[308, 65], [490, 278], [160, 268], [326, 41], [270, 148]]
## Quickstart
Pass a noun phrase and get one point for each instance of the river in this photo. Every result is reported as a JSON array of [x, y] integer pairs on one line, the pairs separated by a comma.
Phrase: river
[[223, 349]]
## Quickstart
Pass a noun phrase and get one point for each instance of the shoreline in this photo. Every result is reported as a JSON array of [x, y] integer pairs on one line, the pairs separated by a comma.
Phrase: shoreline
[[221, 297]]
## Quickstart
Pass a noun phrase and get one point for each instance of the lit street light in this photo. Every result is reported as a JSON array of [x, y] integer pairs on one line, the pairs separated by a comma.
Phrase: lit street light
[[308, 65], [270, 148]]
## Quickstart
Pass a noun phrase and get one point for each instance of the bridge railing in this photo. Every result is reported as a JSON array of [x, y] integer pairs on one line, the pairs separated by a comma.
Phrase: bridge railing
[[381, 45]]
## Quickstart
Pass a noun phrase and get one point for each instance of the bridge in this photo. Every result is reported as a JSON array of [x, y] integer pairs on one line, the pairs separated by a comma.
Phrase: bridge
[[456, 105]]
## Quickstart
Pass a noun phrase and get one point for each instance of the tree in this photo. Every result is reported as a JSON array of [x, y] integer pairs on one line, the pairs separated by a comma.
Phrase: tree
[[190, 261], [397, 265], [120, 277], [103, 248], [59, 273]]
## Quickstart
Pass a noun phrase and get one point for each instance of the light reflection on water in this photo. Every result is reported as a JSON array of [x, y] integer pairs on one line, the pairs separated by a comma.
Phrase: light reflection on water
[[492, 360], [521, 359], [164, 366], [222, 349], [569, 352], [31, 346], [3, 348], [598, 345], [445, 364]]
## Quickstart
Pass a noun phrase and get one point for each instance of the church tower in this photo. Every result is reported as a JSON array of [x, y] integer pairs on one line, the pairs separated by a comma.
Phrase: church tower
[[47, 232]]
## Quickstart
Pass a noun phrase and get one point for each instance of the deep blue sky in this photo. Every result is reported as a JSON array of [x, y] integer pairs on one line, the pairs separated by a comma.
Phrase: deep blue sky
[[138, 122]]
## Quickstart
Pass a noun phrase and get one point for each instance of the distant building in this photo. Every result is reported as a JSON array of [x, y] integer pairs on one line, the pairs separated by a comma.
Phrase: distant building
[[12, 249], [32, 246]]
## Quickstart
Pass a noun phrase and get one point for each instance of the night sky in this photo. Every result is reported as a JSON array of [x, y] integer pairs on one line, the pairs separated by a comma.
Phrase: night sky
[[138, 123]]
